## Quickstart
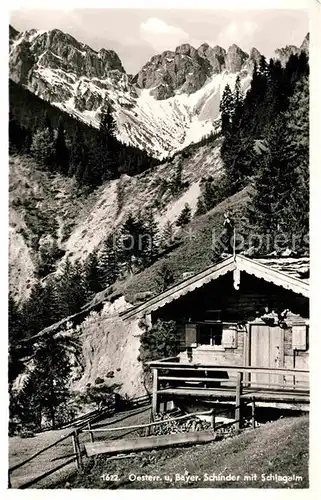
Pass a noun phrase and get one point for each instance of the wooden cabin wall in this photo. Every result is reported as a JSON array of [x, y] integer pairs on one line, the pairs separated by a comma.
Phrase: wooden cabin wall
[[216, 355], [243, 305], [295, 358]]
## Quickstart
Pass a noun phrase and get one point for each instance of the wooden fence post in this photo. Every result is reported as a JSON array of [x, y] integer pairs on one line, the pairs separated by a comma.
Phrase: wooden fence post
[[148, 429], [117, 402], [155, 395], [253, 413], [76, 447], [91, 434], [239, 377], [213, 419]]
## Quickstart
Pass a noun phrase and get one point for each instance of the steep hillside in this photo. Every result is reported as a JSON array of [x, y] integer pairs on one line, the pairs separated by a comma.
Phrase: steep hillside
[[195, 252], [147, 191], [109, 346], [43, 205], [198, 249], [40, 206]]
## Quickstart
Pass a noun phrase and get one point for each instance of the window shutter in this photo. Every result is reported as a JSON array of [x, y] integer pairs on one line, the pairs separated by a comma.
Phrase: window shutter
[[229, 336], [299, 337], [191, 335]]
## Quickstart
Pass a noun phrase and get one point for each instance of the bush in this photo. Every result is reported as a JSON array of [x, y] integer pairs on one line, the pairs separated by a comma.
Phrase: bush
[[42, 147], [159, 341]]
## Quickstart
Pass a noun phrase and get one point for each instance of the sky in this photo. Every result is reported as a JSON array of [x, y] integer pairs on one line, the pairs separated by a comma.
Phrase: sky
[[138, 34]]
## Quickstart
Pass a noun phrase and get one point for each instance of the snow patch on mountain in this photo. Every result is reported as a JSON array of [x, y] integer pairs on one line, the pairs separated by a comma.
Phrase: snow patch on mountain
[[67, 73], [161, 127]]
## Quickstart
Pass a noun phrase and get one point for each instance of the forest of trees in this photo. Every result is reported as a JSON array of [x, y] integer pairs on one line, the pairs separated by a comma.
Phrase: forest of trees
[[62, 144], [135, 246], [266, 145]]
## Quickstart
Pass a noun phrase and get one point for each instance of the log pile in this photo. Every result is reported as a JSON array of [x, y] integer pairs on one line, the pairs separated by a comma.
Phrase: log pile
[[188, 424]]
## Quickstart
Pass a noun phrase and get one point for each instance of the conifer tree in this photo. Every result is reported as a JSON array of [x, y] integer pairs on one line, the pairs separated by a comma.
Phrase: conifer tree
[[237, 105], [132, 242], [185, 216], [277, 184], [72, 288], [226, 109], [46, 124], [41, 309], [200, 207], [61, 152], [42, 147], [109, 123], [93, 274], [109, 262], [150, 233], [164, 277], [176, 184], [210, 194], [47, 387], [167, 235]]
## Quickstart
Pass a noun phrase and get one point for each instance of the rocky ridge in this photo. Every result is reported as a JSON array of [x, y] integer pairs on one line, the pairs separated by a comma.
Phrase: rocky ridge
[[172, 102], [187, 69], [284, 53]]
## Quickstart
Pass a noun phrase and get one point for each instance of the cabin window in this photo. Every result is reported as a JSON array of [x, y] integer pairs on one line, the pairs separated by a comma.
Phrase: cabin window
[[210, 334]]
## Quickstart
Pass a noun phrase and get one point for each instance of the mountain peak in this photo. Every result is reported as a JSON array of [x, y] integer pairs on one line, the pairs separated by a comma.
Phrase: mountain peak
[[57, 49], [235, 58], [284, 53], [306, 43], [13, 33], [185, 50], [255, 55]]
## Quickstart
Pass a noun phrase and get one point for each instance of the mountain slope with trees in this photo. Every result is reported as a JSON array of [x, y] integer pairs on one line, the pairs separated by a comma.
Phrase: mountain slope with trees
[[256, 174], [60, 143]]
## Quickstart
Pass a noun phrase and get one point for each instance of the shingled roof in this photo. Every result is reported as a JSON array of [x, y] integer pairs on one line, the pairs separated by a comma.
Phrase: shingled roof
[[289, 273]]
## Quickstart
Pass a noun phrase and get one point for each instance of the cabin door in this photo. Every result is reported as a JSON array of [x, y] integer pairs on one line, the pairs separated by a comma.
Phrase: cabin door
[[267, 351]]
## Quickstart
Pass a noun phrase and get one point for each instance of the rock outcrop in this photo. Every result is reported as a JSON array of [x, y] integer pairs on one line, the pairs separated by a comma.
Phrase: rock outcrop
[[215, 56], [254, 58], [284, 53], [235, 58], [187, 69], [21, 63], [57, 50]]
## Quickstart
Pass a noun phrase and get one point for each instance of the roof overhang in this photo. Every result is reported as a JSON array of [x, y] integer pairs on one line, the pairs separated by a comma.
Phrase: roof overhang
[[237, 263], [183, 288], [267, 273]]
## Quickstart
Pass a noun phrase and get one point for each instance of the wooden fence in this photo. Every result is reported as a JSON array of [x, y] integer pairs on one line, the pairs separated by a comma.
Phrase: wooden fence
[[76, 426]]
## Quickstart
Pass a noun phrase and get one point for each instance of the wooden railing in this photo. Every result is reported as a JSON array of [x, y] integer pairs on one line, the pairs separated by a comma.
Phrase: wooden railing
[[169, 375]]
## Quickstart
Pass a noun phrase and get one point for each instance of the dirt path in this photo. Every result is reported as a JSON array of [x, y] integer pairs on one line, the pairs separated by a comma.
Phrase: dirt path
[[22, 448]]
